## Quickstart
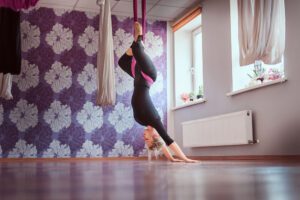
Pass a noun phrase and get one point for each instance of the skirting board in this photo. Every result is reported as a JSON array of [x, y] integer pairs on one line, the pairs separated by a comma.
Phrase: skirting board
[[293, 158], [250, 158]]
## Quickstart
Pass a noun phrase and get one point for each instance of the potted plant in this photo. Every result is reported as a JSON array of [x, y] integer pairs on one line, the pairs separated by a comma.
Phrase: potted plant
[[274, 74], [258, 73], [200, 92], [192, 96]]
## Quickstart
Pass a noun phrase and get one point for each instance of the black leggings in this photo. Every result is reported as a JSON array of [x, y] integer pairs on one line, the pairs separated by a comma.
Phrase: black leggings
[[145, 113], [143, 108]]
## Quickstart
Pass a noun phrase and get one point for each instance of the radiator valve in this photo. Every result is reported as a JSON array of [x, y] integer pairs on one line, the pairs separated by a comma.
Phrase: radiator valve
[[255, 141]]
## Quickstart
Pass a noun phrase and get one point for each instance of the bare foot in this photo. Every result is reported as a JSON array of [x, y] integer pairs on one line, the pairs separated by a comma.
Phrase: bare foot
[[176, 160], [138, 30]]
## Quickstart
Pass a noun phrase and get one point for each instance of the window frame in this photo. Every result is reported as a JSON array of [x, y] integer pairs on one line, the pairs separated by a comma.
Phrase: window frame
[[235, 52], [195, 32]]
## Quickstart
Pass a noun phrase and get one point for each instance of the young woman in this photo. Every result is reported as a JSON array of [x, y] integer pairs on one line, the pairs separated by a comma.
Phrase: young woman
[[138, 65]]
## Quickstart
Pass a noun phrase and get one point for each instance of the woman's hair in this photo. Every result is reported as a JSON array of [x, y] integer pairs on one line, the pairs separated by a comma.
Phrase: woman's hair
[[157, 142]]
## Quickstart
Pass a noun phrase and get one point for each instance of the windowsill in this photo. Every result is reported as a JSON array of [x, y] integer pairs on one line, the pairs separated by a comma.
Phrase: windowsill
[[281, 80], [191, 103]]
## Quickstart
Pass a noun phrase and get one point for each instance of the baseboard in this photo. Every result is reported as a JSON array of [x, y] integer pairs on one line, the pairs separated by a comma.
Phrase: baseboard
[[251, 157], [68, 159], [291, 158]]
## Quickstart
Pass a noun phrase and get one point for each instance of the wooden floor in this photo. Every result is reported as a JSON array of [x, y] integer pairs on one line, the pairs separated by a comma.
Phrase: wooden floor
[[141, 180]]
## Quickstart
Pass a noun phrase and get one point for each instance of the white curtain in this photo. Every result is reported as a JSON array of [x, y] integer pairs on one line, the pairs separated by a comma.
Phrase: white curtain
[[106, 93], [5, 86], [261, 31]]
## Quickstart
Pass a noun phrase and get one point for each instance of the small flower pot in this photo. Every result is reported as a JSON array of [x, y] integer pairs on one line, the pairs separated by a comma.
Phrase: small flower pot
[[199, 96], [261, 79]]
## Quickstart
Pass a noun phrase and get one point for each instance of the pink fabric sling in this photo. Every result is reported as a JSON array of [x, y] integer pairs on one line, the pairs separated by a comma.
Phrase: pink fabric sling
[[18, 4], [135, 18]]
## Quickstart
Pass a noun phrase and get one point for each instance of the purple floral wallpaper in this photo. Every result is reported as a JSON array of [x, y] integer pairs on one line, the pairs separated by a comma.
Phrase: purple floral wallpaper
[[53, 112]]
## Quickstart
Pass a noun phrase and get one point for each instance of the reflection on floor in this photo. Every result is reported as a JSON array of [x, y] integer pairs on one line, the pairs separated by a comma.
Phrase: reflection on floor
[[141, 180]]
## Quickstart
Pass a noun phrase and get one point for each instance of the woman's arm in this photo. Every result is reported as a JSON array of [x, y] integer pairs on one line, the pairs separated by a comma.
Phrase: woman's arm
[[168, 155]]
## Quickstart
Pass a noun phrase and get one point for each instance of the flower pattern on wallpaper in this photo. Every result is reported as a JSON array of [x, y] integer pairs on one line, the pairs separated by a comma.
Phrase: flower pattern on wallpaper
[[121, 150], [53, 113], [60, 38], [122, 41], [23, 150], [121, 18], [124, 82], [153, 45], [151, 21], [91, 15], [57, 150], [59, 77], [89, 40], [61, 12], [87, 78], [24, 115], [29, 76], [30, 36], [58, 116], [121, 118], [1, 114], [30, 9], [90, 117], [89, 150]]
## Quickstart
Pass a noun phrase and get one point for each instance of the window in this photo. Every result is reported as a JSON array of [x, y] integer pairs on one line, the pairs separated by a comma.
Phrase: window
[[254, 70], [188, 63]]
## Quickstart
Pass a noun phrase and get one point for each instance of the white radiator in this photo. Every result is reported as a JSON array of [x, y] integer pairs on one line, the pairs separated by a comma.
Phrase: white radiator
[[229, 129]]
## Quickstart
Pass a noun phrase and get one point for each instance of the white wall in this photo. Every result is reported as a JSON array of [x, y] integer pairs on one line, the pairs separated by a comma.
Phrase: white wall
[[276, 108]]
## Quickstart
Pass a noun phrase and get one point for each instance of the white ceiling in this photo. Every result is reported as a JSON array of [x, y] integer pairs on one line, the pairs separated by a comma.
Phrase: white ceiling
[[168, 10]]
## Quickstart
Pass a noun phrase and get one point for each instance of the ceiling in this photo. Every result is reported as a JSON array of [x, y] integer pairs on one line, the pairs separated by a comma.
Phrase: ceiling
[[168, 10]]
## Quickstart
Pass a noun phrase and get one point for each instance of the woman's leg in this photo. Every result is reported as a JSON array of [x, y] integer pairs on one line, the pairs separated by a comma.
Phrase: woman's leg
[[168, 155], [141, 57], [125, 62], [157, 124], [170, 142]]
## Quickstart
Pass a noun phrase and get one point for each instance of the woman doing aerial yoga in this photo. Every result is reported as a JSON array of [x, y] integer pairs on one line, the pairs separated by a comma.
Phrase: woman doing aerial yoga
[[138, 65]]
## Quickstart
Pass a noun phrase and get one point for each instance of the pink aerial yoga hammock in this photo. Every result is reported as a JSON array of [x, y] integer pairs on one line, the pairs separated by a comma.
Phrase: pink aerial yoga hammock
[[18, 4], [10, 42], [135, 18], [135, 14]]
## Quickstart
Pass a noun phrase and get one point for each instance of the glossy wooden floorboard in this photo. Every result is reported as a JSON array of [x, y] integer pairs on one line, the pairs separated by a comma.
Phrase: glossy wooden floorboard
[[140, 180]]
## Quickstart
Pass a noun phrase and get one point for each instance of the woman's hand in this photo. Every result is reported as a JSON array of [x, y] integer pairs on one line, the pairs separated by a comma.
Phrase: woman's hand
[[176, 160], [191, 161]]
